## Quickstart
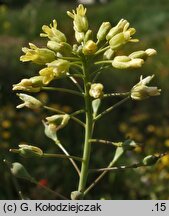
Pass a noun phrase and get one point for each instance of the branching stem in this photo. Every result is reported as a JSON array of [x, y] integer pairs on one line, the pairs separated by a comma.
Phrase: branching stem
[[61, 112], [111, 108], [63, 90]]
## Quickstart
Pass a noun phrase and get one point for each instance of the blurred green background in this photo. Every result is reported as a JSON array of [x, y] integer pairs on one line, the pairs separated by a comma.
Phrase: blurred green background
[[146, 122]]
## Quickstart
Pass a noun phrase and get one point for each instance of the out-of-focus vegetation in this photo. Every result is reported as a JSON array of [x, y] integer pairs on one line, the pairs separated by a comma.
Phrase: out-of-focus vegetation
[[146, 122]]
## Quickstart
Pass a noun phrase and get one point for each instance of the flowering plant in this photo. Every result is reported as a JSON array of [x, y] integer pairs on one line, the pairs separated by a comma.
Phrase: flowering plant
[[85, 60]]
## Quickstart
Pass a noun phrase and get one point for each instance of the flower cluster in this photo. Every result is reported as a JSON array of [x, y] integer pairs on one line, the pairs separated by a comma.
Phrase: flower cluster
[[85, 60], [59, 56]]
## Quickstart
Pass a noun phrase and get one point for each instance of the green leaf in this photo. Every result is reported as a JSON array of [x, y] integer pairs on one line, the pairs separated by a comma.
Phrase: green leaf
[[95, 105]]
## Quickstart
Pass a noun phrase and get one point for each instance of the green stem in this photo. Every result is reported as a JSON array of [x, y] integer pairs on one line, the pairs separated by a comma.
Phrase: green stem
[[136, 165], [117, 144], [45, 155], [77, 112], [102, 50], [103, 62], [88, 132], [116, 94], [75, 75], [61, 112], [76, 64], [14, 180], [98, 72], [69, 58], [115, 159], [111, 108], [63, 90], [67, 154], [18, 189], [75, 82]]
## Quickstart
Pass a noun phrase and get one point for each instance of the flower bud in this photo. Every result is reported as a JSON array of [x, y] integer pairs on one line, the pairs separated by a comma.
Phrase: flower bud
[[89, 48], [151, 52], [143, 54], [118, 40], [60, 67], [88, 36], [33, 84], [140, 91], [29, 102], [37, 55], [61, 47], [79, 36], [79, 49], [117, 29], [96, 90], [150, 160], [80, 20], [53, 33], [108, 54], [28, 151], [75, 47], [55, 46], [124, 62], [138, 54], [103, 30]]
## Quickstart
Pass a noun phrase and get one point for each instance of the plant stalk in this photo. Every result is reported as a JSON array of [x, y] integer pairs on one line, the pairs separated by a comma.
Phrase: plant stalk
[[111, 164], [88, 132]]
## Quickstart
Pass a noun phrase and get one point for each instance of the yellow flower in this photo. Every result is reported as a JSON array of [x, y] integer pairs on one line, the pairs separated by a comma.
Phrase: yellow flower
[[37, 55], [60, 67], [29, 101], [140, 91], [117, 29], [120, 35], [96, 90], [33, 84], [47, 74], [80, 20], [53, 33], [122, 38]]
